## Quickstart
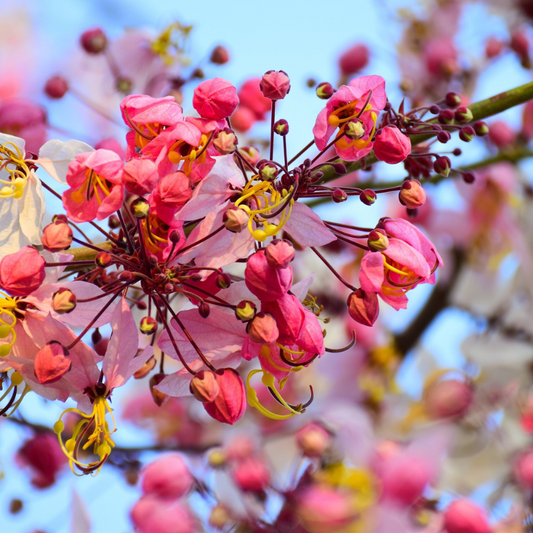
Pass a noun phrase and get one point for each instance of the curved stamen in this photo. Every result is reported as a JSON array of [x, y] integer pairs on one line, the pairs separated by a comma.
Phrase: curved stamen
[[344, 348]]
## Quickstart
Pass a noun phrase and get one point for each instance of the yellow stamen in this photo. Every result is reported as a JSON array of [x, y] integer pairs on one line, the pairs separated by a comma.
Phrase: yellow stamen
[[12, 161]]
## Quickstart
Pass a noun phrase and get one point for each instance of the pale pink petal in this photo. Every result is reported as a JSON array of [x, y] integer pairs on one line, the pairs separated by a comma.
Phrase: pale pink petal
[[372, 275], [307, 228]]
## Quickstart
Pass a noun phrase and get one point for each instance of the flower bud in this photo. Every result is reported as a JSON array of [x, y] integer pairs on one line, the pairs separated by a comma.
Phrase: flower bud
[[463, 114], [321, 508], [103, 259], [446, 116], [23, 272], [443, 136], [467, 134], [215, 99], [245, 311], [469, 177], [113, 222], [93, 41], [442, 166], [434, 109], [266, 282], [465, 517], [279, 253], [313, 440], [452, 99], [368, 197], [219, 55], [263, 329], [225, 141], [235, 219], [140, 208], [52, 362], [204, 386], [56, 87], [63, 301], [243, 119], [251, 475], [159, 397], [145, 369], [339, 196], [412, 194], [493, 47], [57, 236], [325, 91], [354, 130], [520, 44], [481, 128], [363, 307], [174, 189], [251, 153], [167, 477], [281, 127], [223, 281], [501, 135], [230, 403], [204, 310], [377, 241], [268, 171], [391, 145], [275, 85], [354, 59], [148, 325], [447, 398]]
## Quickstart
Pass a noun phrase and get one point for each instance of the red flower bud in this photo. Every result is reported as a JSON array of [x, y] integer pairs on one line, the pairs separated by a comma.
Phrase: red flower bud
[[223, 281], [493, 47], [448, 398], [281, 127], [263, 329], [251, 475], [230, 403], [465, 517], [452, 100], [159, 397], [446, 116], [56, 87], [325, 91], [57, 236], [412, 195], [148, 325], [463, 114], [204, 386], [368, 197], [338, 196], [103, 259], [354, 59], [442, 166], [481, 128], [377, 241], [22, 273], [51, 362], [467, 134], [363, 307], [275, 85], [279, 253], [245, 311], [215, 99], [167, 477], [391, 145], [219, 55], [93, 41]]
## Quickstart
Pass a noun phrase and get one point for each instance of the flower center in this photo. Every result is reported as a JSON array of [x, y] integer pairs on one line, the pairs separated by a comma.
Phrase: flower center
[[93, 186], [12, 161]]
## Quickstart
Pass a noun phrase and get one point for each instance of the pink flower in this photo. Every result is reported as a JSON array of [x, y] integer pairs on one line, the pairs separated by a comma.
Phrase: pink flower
[[313, 440], [23, 272], [404, 478], [448, 398], [96, 189], [251, 97], [463, 516], [354, 59], [500, 134], [215, 99], [441, 57], [25, 119], [523, 470], [140, 176], [251, 474], [168, 477], [152, 514], [52, 362], [230, 403], [409, 259], [354, 110], [243, 119], [391, 145], [42, 454], [266, 282], [275, 85]]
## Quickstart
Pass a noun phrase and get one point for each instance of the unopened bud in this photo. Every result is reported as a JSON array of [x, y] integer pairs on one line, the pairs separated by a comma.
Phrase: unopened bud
[[219, 55], [126, 275], [268, 171], [145, 369], [226, 141], [377, 241], [56, 87], [204, 310], [281, 127], [93, 41], [245, 311], [313, 440], [446, 116], [434, 109], [463, 114], [452, 99], [363, 307], [57, 236], [368, 197], [64, 301], [251, 153], [263, 329], [140, 208], [338, 196], [223, 281], [481, 128], [448, 398], [174, 236], [325, 91], [113, 222], [469, 177], [279, 253], [204, 386], [235, 219], [467, 134], [148, 325], [443, 137], [103, 259], [159, 397], [442, 166], [275, 85]]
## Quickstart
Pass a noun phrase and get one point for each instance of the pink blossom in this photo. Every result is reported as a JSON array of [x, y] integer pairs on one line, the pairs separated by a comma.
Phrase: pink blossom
[[57, 236], [23, 272], [500, 134], [51, 362], [25, 119], [391, 145], [140, 176], [463, 516], [251, 97], [230, 403], [275, 85], [523, 470], [251, 474], [167, 477], [354, 59], [243, 119], [441, 57], [96, 189], [266, 282], [313, 440], [152, 514], [215, 99]]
